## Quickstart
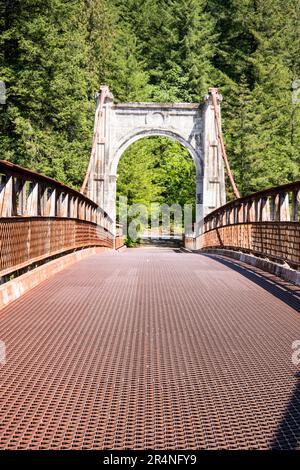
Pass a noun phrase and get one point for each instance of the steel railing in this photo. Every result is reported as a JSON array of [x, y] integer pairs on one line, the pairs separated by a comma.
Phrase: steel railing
[[265, 223], [41, 218]]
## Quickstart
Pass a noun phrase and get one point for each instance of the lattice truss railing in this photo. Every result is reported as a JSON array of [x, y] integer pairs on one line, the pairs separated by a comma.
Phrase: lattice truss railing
[[266, 223], [41, 218]]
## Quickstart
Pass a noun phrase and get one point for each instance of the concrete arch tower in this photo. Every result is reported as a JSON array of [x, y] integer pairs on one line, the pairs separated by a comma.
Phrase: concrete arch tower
[[121, 124]]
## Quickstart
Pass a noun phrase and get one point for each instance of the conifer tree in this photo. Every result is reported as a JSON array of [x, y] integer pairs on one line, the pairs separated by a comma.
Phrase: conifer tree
[[54, 54], [47, 122], [275, 162]]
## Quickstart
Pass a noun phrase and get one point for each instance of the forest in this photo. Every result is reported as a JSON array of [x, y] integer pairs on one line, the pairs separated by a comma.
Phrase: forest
[[54, 54]]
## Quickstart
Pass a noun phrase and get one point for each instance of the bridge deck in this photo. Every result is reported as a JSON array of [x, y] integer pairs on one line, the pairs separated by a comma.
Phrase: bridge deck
[[151, 349]]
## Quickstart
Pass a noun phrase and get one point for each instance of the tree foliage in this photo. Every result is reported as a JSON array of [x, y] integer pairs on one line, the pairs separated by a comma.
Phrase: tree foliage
[[55, 53]]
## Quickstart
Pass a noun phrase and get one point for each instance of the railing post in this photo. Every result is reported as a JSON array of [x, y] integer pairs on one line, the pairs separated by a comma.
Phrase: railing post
[[227, 216], [219, 219], [240, 213], [6, 196], [81, 211], [59, 203], [14, 209], [244, 212], [295, 205], [257, 208], [88, 212], [94, 215], [64, 205], [100, 218], [76, 208], [205, 225], [43, 199], [223, 218], [274, 213], [22, 196], [51, 203], [284, 208], [33, 202], [265, 209], [72, 207], [250, 214], [235, 214]]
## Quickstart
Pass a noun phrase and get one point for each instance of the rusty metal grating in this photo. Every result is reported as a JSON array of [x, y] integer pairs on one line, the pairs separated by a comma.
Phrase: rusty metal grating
[[150, 349]]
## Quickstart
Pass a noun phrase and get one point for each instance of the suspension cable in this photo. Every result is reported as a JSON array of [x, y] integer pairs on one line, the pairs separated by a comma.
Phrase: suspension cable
[[103, 94], [214, 93]]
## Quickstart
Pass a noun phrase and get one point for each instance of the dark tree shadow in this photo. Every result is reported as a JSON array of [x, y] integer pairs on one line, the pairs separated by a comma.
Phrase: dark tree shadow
[[221, 244], [287, 436], [289, 297]]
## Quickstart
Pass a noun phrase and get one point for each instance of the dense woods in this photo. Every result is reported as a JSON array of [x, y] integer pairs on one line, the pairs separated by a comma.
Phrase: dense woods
[[55, 53]]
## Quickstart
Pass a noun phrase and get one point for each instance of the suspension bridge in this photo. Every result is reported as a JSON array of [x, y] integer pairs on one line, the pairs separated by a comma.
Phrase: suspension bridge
[[104, 347]]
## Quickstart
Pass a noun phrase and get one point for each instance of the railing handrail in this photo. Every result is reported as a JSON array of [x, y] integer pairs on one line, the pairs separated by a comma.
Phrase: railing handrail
[[17, 170], [41, 218], [11, 169], [275, 190]]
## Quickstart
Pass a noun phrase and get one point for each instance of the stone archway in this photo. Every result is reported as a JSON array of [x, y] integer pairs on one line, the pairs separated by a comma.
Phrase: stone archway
[[193, 125], [130, 139]]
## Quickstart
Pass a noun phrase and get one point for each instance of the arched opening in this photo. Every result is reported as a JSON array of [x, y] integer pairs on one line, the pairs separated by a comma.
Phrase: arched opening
[[157, 184]]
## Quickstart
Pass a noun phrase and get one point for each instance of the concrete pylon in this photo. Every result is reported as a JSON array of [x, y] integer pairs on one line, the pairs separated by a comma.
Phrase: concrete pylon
[[121, 124]]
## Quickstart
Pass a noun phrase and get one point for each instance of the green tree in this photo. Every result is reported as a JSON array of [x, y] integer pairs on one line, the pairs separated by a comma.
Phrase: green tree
[[276, 159], [126, 75], [138, 173], [157, 169], [240, 122], [256, 63], [177, 173], [51, 75], [54, 54]]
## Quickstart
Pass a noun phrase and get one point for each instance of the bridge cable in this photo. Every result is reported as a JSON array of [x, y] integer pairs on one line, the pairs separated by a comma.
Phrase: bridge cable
[[103, 93], [214, 93]]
